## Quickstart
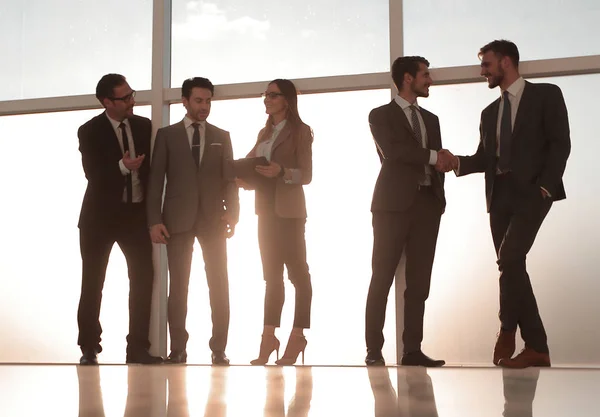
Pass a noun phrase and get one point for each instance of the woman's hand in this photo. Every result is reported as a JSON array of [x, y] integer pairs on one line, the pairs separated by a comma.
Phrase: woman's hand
[[270, 171]]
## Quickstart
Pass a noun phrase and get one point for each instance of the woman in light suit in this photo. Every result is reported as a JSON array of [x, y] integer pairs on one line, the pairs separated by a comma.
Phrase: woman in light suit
[[286, 142]]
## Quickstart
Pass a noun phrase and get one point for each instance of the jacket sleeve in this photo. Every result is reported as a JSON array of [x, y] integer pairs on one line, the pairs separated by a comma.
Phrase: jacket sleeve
[[556, 129], [476, 162], [101, 172], [391, 147], [231, 191]]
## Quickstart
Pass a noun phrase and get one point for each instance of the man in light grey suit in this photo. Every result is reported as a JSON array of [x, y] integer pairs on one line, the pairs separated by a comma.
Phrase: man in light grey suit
[[201, 201]]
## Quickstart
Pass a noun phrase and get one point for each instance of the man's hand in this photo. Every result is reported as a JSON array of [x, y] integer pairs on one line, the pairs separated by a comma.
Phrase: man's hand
[[270, 171], [446, 161], [229, 225], [159, 234], [133, 164], [242, 184]]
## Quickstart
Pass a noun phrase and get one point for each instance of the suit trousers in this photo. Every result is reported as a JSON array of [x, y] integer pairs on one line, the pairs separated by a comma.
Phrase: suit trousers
[[130, 232], [415, 232], [214, 251], [516, 215], [281, 242]]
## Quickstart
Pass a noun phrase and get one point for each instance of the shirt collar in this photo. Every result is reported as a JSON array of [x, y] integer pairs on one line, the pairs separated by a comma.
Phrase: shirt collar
[[187, 122], [115, 124], [277, 128], [403, 103], [516, 87]]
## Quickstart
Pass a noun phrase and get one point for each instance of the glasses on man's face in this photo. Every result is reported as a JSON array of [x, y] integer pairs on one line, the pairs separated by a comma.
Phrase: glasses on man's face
[[272, 95], [125, 98]]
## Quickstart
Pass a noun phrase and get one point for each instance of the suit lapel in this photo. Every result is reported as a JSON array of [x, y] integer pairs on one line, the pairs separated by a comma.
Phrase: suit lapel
[[135, 134], [285, 134], [433, 141], [524, 108], [115, 148], [209, 135], [491, 125]]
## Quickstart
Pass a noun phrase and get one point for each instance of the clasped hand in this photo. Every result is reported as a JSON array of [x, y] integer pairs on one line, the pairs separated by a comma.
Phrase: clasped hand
[[446, 161]]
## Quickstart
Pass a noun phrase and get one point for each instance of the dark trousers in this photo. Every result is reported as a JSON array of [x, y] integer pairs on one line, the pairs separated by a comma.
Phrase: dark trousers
[[131, 234], [515, 218], [414, 231], [214, 251], [282, 242]]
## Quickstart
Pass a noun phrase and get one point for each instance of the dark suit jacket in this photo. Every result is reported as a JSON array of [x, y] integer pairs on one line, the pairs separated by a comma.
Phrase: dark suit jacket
[[403, 158], [540, 143], [100, 153], [191, 192], [292, 153]]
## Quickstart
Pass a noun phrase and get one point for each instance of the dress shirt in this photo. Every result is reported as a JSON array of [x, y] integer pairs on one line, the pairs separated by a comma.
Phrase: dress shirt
[[266, 147], [189, 129], [137, 195]]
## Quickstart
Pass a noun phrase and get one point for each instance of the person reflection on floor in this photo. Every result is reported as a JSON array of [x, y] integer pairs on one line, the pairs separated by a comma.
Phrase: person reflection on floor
[[519, 391], [417, 398], [91, 403], [299, 405]]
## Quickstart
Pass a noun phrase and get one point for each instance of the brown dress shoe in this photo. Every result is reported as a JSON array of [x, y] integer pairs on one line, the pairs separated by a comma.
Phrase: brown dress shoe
[[505, 345], [528, 357]]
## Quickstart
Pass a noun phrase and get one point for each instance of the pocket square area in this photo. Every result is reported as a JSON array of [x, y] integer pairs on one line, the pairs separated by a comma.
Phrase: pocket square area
[[216, 144]]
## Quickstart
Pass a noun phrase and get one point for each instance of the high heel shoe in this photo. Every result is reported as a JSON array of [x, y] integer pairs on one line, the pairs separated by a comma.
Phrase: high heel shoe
[[295, 346], [268, 344]]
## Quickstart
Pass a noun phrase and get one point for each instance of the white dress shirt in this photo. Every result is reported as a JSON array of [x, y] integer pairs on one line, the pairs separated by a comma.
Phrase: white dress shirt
[[137, 195], [189, 129], [405, 106], [266, 147]]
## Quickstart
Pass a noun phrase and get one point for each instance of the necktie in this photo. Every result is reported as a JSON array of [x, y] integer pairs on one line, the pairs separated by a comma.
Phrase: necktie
[[196, 144], [505, 135], [129, 183], [419, 135]]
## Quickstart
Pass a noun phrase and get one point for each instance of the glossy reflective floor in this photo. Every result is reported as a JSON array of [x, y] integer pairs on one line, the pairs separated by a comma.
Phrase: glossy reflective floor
[[190, 391]]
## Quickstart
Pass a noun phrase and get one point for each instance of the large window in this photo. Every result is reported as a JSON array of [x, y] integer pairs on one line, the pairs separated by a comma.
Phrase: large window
[[450, 32], [338, 234], [62, 48], [233, 41], [40, 271]]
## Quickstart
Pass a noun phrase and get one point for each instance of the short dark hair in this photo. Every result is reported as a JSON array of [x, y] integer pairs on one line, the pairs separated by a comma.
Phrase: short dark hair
[[502, 48], [406, 64], [107, 84], [196, 82]]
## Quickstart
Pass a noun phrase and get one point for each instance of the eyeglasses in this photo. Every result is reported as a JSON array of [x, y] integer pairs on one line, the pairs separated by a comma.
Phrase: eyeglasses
[[126, 98], [272, 95]]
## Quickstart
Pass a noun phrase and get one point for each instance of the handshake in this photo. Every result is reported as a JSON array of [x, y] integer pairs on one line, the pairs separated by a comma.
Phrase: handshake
[[446, 161]]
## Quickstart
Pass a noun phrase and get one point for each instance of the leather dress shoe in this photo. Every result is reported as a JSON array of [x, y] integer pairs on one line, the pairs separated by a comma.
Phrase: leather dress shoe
[[142, 357], [505, 345], [418, 358], [177, 356], [528, 357], [219, 358], [374, 358], [89, 357]]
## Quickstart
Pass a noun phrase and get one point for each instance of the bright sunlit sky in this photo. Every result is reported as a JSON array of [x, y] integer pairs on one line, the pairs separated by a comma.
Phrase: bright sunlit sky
[[61, 51]]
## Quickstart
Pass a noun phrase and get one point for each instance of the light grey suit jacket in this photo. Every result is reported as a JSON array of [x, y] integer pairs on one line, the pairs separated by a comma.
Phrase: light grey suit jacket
[[191, 193]]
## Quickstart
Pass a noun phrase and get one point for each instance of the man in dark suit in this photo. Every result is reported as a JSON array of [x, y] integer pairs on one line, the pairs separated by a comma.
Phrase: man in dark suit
[[408, 202], [201, 202], [113, 146], [523, 150]]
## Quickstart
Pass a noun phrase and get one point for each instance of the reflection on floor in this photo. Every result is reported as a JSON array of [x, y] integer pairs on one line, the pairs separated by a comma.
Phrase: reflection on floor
[[190, 391]]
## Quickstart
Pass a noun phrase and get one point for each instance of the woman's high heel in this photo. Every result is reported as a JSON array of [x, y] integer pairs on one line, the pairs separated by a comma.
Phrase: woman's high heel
[[268, 344], [296, 345]]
